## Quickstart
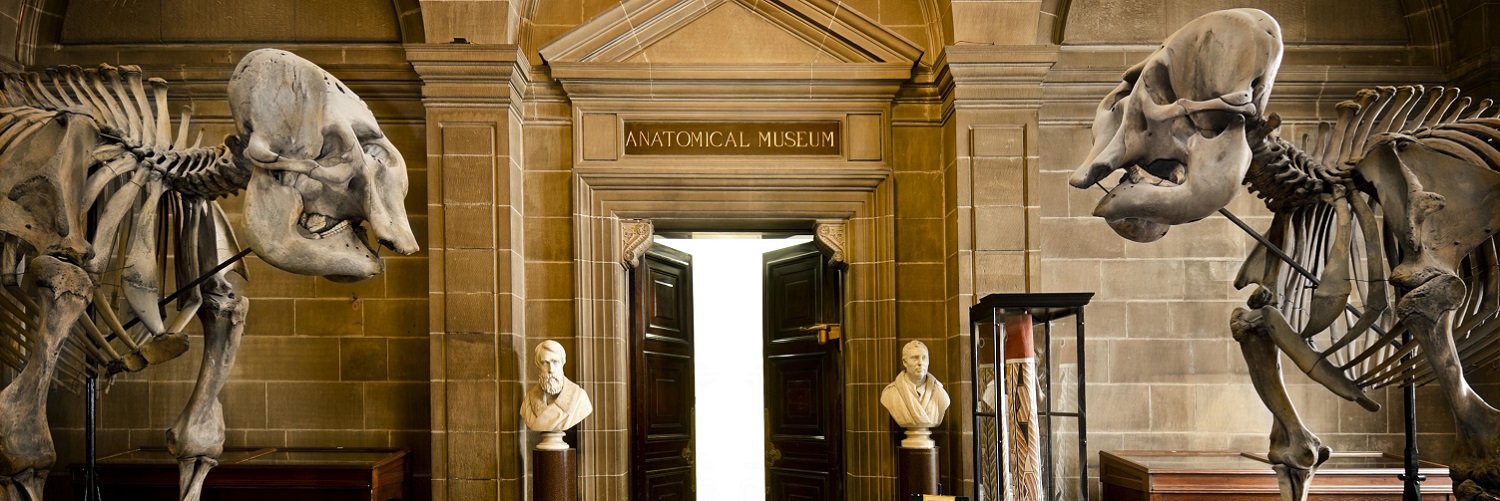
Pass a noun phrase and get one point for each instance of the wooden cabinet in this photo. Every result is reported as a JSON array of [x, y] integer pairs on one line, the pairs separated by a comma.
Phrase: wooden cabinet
[[1212, 476], [279, 473]]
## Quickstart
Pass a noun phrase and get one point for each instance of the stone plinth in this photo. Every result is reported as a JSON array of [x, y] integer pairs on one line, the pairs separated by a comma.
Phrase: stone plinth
[[554, 475]]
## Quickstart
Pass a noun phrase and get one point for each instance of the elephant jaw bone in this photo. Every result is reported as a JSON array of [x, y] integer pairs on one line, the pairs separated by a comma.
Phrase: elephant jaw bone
[[1144, 205], [283, 234], [321, 169], [1177, 124]]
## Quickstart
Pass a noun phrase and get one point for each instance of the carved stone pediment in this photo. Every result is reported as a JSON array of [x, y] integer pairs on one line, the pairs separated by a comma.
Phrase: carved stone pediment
[[759, 40]]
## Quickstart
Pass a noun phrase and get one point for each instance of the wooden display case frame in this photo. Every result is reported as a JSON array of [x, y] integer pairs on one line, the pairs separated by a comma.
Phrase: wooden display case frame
[[1123, 477]]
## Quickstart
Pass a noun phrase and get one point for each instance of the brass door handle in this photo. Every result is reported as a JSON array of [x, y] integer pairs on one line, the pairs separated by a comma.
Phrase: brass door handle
[[687, 455], [826, 332], [772, 456]]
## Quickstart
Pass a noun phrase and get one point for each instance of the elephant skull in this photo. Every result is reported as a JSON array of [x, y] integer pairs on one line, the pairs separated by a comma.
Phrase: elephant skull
[[1176, 124], [321, 170]]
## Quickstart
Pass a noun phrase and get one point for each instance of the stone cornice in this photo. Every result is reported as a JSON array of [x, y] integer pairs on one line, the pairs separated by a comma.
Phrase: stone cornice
[[998, 75], [1479, 72], [1301, 92], [735, 179], [1000, 54], [847, 81], [468, 73]]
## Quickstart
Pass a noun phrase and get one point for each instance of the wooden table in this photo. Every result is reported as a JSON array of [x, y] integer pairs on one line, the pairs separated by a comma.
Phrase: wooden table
[[248, 473], [1210, 476]]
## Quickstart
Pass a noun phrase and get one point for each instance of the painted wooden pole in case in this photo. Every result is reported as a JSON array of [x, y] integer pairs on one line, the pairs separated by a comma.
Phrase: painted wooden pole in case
[[1025, 475]]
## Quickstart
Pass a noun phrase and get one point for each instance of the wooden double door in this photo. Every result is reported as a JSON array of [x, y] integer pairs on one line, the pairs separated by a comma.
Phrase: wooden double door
[[803, 386]]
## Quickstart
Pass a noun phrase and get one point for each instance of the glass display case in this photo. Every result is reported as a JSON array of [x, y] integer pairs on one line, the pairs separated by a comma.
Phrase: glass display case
[[1030, 425]]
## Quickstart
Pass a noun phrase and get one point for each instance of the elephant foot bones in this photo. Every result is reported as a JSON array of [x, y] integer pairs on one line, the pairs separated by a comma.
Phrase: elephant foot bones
[[1398, 198], [96, 182]]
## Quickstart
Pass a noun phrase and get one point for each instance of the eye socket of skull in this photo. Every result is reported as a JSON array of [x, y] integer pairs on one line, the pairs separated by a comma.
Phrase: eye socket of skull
[[1156, 81], [335, 149]]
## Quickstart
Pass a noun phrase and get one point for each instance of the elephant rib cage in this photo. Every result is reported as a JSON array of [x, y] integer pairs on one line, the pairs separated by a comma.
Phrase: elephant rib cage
[[144, 193], [1327, 218]]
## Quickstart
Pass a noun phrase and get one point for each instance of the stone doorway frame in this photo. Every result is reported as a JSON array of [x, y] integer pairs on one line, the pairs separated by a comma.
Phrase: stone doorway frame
[[605, 202]]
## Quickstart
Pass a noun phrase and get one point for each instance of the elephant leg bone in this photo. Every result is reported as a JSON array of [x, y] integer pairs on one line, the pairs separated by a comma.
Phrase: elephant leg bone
[[1295, 452], [25, 486], [26, 449], [191, 472], [1427, 310], [197, 436]]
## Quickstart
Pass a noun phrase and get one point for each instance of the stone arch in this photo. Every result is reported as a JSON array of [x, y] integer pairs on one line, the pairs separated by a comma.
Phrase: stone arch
[[40, 24], [1051, 20], [409, 18], [520, 30], [938, 18]]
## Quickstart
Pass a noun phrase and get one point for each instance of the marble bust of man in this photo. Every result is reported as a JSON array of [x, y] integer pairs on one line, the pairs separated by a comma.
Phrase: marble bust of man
[[554, 403], [916, 399]]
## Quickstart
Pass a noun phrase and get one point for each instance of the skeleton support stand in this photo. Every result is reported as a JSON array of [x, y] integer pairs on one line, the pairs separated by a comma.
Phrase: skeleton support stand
[[91, 434], [91, 395]]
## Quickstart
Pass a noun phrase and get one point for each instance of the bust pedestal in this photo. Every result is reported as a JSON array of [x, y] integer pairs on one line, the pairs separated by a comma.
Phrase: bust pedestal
[[552, 441], [919, 471], [554, 474], [918, 437]]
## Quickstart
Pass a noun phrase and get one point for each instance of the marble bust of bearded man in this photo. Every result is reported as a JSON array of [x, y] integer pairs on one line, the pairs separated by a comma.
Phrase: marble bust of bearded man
[[555, 403], [915, 399]]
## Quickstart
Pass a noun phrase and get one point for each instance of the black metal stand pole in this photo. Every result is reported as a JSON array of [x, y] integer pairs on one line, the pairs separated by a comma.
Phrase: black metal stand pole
[[90, 434], [1412, 490], [180, 290], [1083, 417]]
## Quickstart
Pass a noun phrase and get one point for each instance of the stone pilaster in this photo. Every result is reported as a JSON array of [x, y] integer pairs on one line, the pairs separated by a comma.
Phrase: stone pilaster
[[474, 195], [993, 215]]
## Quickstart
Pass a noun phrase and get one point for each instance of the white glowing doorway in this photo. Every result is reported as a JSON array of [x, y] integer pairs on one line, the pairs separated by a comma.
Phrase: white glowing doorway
[[729, 422]]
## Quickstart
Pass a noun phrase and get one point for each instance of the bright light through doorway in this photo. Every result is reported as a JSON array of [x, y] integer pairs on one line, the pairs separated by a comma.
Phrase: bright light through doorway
[[730, 420]]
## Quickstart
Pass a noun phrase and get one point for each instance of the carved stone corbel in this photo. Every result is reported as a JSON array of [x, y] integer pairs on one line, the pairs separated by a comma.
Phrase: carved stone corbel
[[829, 236], [635, 239]]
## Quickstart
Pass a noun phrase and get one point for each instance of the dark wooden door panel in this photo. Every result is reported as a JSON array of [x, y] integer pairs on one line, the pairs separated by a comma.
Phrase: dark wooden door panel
[[795, 485], [672, 484], [661, 372], [804, 392], [668, 377], [800, 410]]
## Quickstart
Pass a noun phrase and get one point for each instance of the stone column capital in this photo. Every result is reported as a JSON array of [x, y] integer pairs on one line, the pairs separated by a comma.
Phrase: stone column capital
[[1009, 74], [475, 74]]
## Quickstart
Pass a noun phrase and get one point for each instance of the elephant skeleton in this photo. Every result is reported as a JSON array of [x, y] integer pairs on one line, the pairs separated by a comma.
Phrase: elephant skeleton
[[1396, 204], [98, 190]]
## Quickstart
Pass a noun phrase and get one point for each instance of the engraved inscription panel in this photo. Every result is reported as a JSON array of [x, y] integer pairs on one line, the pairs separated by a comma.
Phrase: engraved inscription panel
[[733, 138]]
